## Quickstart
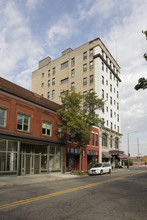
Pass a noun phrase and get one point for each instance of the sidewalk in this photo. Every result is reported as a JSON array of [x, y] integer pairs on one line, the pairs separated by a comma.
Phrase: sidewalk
[[9, 181]]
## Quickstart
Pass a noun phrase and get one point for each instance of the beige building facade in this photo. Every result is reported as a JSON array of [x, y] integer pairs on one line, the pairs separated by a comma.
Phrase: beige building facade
[[90, 67]]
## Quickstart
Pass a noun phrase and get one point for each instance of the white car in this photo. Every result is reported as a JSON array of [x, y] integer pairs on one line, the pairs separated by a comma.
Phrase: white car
[[100, 168]]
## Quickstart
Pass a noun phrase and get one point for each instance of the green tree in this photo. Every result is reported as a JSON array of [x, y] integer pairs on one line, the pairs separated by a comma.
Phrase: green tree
[[78, 116], [142, 82]]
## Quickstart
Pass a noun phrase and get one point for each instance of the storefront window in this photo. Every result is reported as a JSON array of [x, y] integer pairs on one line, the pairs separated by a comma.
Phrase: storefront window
[[8, 155], [43, 162]]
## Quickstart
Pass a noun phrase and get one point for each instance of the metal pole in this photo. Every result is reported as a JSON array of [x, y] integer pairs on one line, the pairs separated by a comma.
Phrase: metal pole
[[128, 151], [138, 150]]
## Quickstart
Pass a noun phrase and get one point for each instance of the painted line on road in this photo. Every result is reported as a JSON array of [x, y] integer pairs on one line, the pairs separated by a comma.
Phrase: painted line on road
[[64, 191]]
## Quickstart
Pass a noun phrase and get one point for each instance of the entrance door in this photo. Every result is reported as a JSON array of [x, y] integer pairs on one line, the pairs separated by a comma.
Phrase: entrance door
[[28, 157], [36, 168]]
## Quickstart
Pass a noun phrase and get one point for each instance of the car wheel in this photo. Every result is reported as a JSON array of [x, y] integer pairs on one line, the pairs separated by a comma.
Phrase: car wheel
[[110, 171], [101, 172]]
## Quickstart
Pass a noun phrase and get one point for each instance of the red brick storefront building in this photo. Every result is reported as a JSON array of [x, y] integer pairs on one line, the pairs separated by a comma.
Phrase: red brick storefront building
[[30, 135]]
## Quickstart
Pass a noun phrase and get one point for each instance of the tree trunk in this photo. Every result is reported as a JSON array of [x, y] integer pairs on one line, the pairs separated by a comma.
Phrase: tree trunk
[[81, 158]]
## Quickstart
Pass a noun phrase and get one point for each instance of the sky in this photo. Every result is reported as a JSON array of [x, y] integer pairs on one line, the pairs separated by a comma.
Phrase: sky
[[31, 30]]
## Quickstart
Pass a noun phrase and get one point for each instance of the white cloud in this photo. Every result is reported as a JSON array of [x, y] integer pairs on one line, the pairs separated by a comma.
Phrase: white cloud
[[32, 4], [19, 51], [62, 30]]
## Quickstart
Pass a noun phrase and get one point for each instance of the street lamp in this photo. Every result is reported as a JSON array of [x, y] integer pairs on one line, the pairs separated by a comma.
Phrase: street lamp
[[138, 150], [128, 146]]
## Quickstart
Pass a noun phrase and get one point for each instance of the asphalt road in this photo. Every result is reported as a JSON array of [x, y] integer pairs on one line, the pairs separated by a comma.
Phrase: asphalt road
[[121, 195]]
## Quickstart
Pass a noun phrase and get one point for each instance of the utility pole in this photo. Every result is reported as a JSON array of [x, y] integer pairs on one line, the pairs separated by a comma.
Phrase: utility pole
[[138, 151]]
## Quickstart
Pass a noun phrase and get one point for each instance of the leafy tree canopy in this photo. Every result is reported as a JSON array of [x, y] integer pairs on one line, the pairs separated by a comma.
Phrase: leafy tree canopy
[[142, 82], [78, 115]]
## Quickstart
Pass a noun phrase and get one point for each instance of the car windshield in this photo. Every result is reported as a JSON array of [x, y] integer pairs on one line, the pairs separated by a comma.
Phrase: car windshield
[[97, 165]]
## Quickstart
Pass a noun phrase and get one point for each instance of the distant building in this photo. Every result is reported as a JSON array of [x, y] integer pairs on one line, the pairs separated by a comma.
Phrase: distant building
[[90, 67]]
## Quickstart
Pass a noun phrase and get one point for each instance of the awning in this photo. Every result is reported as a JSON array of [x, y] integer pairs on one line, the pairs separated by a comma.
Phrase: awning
[[122, 156], [115, 152], [106, 155]]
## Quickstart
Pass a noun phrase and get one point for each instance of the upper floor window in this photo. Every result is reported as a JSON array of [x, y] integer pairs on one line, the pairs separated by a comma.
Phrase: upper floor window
[[92, 139], [85, 67], [48, 83], [42, 75], [91, 52], [91, 90], [73, 61], [59, 131], [85, 55], [49, 73], [53, 81], [42, 85], [104, 140], [3, 115], [54, 70], [23, 122], [64, 65], [111, 141], [102, 66], [103, 80], [117, 94], [91, 65], [91, 78], [72, 73], [72, 85], [96, 139], [53, 94], [64, 80], [110, 88], [102, 94], [48, 95], [85, 81], [116, 143], [110, 75], [46, 128]]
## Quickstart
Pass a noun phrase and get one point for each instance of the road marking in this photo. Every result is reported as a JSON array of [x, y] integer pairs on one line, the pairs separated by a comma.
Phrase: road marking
[[64, 191]]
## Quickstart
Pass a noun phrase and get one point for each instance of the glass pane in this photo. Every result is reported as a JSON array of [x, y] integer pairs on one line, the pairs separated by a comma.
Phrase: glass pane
[[12, 146], [19, 126], [37, 149], [2, 121], [26, 119], [43, 162], [11, 161], [52, 162], [44, 150], [19, 119], [43, 130], [2, 145], [52, 150], [48, 132], [2, 161], [25, 128]]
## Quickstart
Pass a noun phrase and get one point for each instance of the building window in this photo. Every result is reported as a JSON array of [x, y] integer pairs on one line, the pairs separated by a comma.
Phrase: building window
[[102, 66], [117, 117], [64, 80], [85, 108], [111, 141], [53, 94], [64, 65], [103, 80], [61, 94], [111, 100], [72, 73], [85, 55], [107, 122], [117, 82], [92, 139], [91, 90], [107, 69], [3, 116], [117, 128], [96, 139], [107, 82], [91, 52], [85, 67], [85, 81], [110, 75], [48, 95], [103, 94], [59, 131], [91, 65], [104, 140], [46, 128], [41, 95], [23, 123], [73, 61], [72, 85], [107, 108], [42, 85], [110, 88], [53, 81], [117, 106], [116, 143], [42, 75], [49, 73], [91, 78], [107, 96], [111, 126], [118, 95], [85, 93], [48, 83], [111, 113], [54, 71]]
